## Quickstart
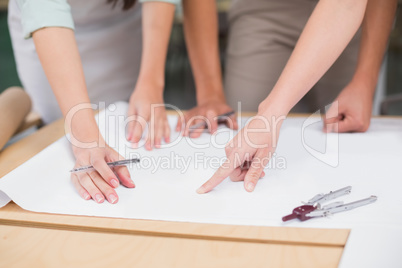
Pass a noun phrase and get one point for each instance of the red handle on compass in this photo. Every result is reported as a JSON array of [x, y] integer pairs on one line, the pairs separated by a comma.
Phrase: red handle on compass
[[289, 217]]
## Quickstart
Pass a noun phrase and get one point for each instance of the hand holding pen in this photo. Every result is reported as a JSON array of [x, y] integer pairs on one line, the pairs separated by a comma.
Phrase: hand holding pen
[[208, 116], [98, 171]]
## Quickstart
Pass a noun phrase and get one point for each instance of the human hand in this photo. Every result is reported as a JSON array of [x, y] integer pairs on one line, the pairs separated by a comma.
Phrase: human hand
[[207, 113], [99, 184], [248, 153], [147, 106], [352, 112]]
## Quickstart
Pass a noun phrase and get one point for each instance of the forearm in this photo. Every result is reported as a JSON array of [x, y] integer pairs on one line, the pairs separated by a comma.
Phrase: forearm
[[377, 26], [326, 34], [201, 33], [60, 59], [157, 20]]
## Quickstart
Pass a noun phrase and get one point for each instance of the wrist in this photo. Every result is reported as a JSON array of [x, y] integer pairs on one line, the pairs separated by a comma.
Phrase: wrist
[[82, 126], [273, 107], [364, 83], [210, 93], [150, 82]]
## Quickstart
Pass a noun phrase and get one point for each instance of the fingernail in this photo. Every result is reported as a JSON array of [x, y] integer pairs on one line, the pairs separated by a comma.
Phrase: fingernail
[[99, 198], [114, 183], [250, 186], [130, 181], [112, 198], [134, 145], [86, 196], [200, 190]]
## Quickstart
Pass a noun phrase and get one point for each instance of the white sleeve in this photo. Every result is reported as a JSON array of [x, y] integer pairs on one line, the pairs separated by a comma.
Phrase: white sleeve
[[37, 14]]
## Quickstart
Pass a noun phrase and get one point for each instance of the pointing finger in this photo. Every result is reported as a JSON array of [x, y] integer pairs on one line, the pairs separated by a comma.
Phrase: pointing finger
[[222, 173]]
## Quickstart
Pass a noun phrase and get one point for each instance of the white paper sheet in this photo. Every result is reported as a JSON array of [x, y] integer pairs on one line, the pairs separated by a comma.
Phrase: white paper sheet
[[369, 162], [373, 247]]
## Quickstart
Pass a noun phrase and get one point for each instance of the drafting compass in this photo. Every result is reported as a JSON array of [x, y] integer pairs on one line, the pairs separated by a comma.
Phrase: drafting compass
[[315, 208]]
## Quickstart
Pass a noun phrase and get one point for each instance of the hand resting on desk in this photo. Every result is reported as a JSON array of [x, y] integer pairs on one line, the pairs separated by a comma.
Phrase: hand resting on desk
[[100, 183]]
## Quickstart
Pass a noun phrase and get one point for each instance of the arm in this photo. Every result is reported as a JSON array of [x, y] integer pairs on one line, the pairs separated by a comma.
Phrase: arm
[[355, 101], [157, 19], [156, 26], [201, 36], [59, 56], [327, 32], [54, 46]]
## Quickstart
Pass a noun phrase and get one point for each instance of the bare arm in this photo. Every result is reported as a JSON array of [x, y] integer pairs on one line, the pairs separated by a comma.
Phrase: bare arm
[[156, 25], [60, 59], [377, 25], [354, 103], [157, 19], [326, 34], [328, 31], [201, 34]]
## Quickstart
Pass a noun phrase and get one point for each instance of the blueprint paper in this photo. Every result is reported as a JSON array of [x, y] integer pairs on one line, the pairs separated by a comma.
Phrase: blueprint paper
[[166, 179]]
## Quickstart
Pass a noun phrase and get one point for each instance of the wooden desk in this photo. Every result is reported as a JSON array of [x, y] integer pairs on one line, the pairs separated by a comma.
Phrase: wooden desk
[[29, 239]]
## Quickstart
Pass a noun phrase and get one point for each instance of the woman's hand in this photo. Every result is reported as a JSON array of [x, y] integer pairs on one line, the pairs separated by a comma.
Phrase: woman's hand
[[99, 184], [207, 112], [351, 111], [248, 153], [147, 106]]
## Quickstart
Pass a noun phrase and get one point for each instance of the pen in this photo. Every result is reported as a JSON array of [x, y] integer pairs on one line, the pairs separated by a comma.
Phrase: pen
[[220, 118], [110, 164]]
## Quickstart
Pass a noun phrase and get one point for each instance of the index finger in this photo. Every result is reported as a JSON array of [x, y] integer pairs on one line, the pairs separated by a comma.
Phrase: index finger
[[222, 173], [105, 171], [330, 122]]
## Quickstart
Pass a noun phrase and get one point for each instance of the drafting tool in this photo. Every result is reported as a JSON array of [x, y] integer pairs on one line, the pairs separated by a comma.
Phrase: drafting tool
[[314, 207], [110, 164], [221, 119]]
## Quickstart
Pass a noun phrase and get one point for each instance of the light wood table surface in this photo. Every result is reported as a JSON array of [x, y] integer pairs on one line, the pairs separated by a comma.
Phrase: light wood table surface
[[29, 239]]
